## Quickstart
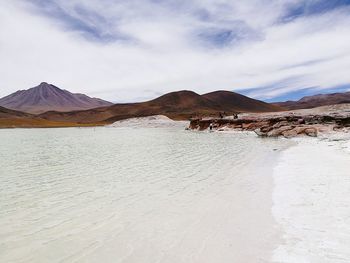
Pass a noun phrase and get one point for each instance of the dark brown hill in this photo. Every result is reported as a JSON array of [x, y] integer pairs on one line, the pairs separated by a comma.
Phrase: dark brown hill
[[184, 99], [7, 113], [316, 101], [231, 101], [46, 97]]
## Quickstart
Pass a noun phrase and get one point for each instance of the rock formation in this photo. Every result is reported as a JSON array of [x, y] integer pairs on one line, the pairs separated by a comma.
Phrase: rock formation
[[286, 124]]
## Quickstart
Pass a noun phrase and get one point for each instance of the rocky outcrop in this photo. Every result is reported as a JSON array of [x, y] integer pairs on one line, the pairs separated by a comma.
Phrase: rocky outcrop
[[286, 124]]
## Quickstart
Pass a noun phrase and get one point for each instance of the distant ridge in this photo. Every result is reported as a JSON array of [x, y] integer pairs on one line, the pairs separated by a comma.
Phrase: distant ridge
[[175, 105], [47, 97], [316, 101], [7, 113], [16, 119]]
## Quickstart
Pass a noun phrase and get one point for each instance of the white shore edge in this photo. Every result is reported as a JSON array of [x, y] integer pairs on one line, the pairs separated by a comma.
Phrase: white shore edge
[[311, 201], [154, 121]]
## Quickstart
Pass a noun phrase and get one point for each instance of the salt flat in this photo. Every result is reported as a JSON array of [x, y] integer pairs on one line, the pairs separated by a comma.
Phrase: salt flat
[[311, 202]]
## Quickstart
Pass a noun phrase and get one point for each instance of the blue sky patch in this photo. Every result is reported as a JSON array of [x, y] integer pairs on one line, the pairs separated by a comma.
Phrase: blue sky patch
[[307, 8], [295, 95]]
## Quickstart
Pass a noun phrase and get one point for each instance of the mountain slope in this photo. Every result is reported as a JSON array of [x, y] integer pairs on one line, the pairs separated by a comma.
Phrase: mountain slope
[[46, 97], [316, 101], [7, 113], [231, 101], [175, 105], [16, 119]]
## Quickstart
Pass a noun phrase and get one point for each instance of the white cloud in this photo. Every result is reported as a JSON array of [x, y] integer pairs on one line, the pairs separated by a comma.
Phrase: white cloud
[[162, 51]]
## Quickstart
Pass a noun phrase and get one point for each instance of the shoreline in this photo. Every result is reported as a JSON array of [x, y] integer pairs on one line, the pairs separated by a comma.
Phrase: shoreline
[[310, 202], [269, 233]]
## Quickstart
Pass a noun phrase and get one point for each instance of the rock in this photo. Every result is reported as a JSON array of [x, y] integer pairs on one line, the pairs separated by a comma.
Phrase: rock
[[254, 125], [311, 132], [260, 133], [279, 131], [266, 129], [280, 124], [234, 126], [301, 121], [290, 133]]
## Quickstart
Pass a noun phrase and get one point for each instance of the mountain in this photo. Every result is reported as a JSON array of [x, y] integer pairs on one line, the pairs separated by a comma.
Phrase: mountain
[[47, 97], [176, 105], [316, 101], [231, 101]]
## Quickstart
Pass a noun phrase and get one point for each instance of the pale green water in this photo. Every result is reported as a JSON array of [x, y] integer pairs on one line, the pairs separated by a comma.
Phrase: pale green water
[[120, 194]]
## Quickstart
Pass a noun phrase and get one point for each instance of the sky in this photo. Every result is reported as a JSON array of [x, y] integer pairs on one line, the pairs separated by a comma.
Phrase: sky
[[135, 50]]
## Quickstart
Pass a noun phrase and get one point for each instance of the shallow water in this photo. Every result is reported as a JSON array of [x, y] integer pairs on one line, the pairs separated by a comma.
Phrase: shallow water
[[132, 195]]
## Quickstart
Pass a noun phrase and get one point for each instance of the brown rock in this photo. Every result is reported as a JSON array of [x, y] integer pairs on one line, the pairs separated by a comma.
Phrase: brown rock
[[280, 124], [290, 133], [279, 131], [254, 125], [311, 132], [266, 129]]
